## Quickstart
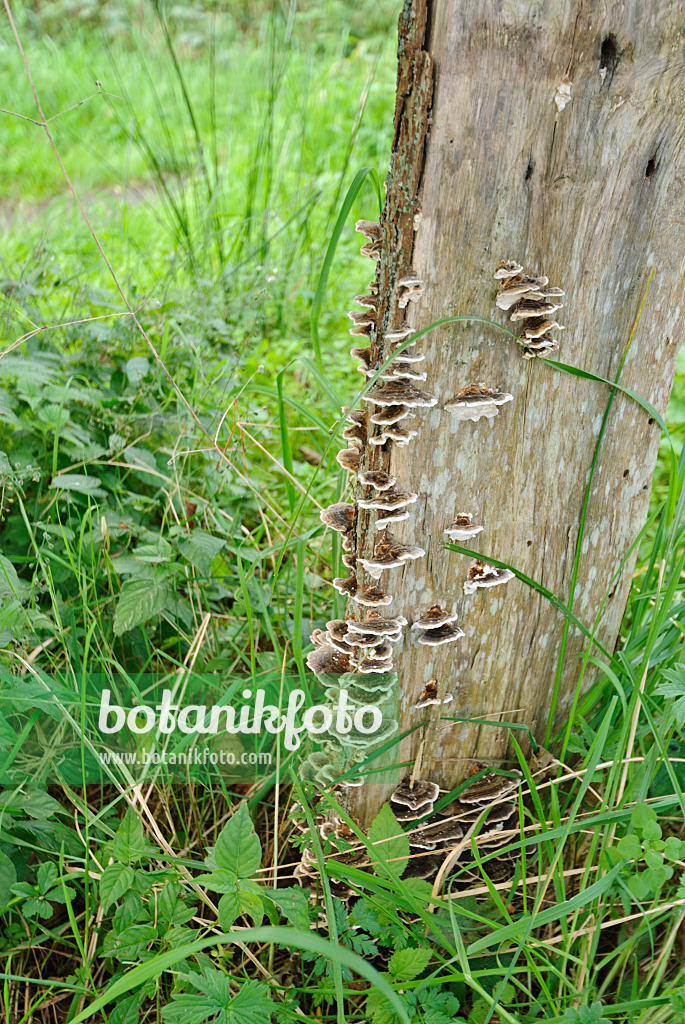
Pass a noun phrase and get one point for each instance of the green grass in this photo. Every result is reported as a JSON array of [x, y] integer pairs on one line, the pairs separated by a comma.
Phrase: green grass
[[215, 173]]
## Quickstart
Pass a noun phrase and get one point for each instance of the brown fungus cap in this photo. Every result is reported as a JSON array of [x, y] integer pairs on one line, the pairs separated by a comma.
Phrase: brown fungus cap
[[413, 796], [410, 290], [338, 517], [432, 617], [400, 370], [347, 586], [371, 597], [462, 528], [483, 575], [528, 308], [337, 628], [512, 291], [507, 269], [376, 624], [356, 434], [360, 318], [429, 696], [349, 458], [535, 328], [369, 301], [377, 478], [349, 559], [372, 250], [442, 635], [400, 393], [370, 229], [476, 400], [490, 787], [400, 333], [389, 500], [363, 354], [327, 661], [391, 517], [391, 414], [397, 435]]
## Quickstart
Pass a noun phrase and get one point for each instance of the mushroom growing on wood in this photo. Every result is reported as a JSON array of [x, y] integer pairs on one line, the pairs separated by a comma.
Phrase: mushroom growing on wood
[[371, 597], [400, 392], [349, 458], [338, 517], [483, 575], [476, 400], [413, 800], [389, 500], [462, 528], [410, 290], [328, 661], [391, 414], [377, 478], [442, 635], [429, 696]]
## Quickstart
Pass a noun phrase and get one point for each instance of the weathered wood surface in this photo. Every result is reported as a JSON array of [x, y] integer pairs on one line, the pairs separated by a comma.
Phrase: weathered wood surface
[[592, 196]]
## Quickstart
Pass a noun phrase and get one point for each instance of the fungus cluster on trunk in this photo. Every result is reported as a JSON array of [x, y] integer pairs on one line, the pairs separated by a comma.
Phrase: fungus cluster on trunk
[[355, 653], [533, 303]]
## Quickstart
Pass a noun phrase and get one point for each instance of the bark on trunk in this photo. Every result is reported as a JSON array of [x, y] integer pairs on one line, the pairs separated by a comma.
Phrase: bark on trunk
[[591, 196]]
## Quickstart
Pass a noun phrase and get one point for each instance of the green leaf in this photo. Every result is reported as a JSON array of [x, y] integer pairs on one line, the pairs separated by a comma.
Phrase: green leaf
[[390, 845], [229, 909], [407, 964], [292, 903], [674, 848], [251, 1005], [238, 850], [129, 844], [10, 584], [630, 846], [674, 688], [79, 483], [200, 549], [642, 815], [140, 600], [8, 878], [116, 880]]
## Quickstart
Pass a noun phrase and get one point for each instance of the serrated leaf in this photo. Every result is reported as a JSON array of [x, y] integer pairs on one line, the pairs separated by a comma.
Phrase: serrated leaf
[[238, 850], [200, 549], [292, 903], [116, 880], [140, 600], [407, 964], [251, 1005], [129, 844], [390, 844]]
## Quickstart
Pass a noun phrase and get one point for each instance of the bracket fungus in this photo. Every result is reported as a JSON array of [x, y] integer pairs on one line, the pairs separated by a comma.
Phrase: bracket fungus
[[346, 586], [532, 301], [429, 696], [338, 517], [396, 434], [410, 290], [390, 415], [476, 400], [377, 478], [349, 458], [391, 517], [483, 575], [377, 625], [413, 799], [462, 528], [390, 500], [400, 392], [441, 635], [388, 553], [328, 661], [371, 597]]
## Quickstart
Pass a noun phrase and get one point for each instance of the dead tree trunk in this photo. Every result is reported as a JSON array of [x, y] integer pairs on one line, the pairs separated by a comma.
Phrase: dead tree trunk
[[590, 195]]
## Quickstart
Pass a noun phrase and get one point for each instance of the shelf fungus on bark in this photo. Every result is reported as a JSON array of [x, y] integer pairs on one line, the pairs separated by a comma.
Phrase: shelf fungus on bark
[[483, 575], [377, 478], [413, 800], [389, 553], [328, 661], [370, 229], [363, 354], [377, 625], [369, 301], [346, 586], [429, 696], [400, 392], [532, 301], [391, 517], [441, 635], [399, 334], [350, 458], [371, 597], [491, 787], [432, 617], [339, 517], [462, 528], [476, 400], [390, 415], [436, 834], [410, 289], [389, 501], [402, 370], [397, 435]]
